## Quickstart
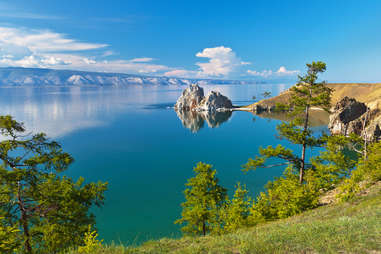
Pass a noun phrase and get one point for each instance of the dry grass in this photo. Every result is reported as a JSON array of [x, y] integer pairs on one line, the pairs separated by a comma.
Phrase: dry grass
[[364, 92], [367, 93]]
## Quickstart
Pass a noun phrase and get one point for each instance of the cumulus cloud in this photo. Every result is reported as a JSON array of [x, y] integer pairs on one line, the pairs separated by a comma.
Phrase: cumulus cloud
[[223, 61], [282, 71]]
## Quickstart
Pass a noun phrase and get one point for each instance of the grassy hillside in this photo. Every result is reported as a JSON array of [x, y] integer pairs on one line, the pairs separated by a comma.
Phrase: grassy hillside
[[364, 92], [367, 93], [352, 227]]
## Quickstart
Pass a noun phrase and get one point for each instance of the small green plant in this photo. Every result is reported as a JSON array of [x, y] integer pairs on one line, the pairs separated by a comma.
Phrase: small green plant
[[91, 243]]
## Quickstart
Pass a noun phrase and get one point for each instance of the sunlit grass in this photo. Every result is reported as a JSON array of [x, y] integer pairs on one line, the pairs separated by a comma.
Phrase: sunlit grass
[[352, 227]]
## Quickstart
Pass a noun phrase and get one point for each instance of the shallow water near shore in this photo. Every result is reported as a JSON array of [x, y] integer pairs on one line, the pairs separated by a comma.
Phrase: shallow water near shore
[[133, 139]]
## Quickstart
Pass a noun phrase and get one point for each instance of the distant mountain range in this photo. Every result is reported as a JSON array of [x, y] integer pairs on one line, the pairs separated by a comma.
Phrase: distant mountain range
[[17, 76]]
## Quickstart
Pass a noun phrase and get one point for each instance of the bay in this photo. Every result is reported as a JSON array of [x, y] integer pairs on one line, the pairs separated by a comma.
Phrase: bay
[[133, 139]]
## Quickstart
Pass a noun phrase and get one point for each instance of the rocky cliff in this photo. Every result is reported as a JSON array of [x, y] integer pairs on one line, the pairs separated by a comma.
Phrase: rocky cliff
[[350, 116], [192, 99]]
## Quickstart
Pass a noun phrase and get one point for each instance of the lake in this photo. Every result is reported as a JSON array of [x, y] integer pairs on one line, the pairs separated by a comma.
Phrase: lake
[[132, 138]]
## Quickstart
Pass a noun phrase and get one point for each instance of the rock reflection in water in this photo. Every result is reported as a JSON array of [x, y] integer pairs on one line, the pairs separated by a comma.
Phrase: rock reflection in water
[[195, 120]]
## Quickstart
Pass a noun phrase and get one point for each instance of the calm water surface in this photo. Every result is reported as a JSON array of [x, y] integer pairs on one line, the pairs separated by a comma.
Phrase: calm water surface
[[132, 138]]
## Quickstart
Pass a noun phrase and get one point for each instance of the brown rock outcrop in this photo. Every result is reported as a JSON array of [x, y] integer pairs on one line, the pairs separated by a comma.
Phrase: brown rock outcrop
[[350, 116]]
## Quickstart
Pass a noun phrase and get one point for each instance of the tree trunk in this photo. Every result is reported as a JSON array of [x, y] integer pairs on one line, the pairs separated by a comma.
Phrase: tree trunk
[[203, 228], [24, 221], [304, 145]]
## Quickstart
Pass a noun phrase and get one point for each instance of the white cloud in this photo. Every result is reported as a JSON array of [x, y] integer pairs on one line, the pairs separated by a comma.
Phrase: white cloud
[[89, 61], [47, 49], [34, 61], [264, 74], [108, 53], [142, 60], [42, 41], [8, 56], [54, 61], [181, 73], [124, 66], [282, 71], [222, 61]]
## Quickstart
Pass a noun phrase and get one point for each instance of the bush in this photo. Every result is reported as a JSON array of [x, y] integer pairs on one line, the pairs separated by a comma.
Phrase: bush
[[91, 243], [237, 213], [285, 197], [367, 172]]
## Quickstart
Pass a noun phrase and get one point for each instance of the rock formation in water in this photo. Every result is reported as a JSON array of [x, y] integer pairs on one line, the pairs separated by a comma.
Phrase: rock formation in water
[[194, 109], [350, 116], [190, 98], [213, 102], [193, 99]]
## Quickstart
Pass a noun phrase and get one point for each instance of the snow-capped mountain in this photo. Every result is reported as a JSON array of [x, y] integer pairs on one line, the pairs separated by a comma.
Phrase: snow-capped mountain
[[17, 76]]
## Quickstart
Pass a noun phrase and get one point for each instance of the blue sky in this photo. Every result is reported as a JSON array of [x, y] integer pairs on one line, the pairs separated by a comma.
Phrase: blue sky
[[204, 39]]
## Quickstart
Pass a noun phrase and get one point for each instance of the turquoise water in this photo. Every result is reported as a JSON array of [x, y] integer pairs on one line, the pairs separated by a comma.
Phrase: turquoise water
[[132, 138]]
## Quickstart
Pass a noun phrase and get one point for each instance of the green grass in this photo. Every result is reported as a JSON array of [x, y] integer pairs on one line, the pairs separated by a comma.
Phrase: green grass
[[351, 227]]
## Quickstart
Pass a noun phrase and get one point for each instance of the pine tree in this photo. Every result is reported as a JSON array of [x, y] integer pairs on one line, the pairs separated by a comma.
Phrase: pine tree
[[305, 95], [237, 212], [204, 199], [50, 211]]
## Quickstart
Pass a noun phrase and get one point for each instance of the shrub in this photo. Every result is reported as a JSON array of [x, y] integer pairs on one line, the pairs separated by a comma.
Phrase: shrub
[[367, 172], [91, 243], [285, 197]]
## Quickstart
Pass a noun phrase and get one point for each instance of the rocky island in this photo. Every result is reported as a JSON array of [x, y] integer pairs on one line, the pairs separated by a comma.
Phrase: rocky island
[[193, 108], [192, 99]]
